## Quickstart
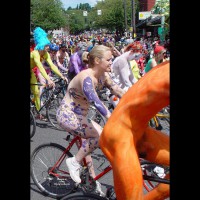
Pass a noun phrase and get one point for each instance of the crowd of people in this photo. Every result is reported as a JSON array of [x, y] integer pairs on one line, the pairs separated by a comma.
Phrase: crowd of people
[[92, 63]]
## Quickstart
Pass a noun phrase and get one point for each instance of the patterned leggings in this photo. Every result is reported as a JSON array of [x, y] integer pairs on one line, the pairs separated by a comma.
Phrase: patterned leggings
[[79, 125]]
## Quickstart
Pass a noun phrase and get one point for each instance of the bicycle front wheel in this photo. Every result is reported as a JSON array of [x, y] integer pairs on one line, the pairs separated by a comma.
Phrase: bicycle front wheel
[[83, 196], [32, 124], [54, 183], [51, 111]]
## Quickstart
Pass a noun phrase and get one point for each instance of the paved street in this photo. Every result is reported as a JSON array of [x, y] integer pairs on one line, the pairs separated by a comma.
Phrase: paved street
[[46, 133]]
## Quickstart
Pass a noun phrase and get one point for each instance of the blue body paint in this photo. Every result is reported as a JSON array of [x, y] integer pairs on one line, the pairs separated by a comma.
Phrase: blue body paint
[[92, 97]]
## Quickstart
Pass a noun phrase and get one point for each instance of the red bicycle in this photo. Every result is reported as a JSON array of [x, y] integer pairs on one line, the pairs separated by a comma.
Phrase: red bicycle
[[50, 174]]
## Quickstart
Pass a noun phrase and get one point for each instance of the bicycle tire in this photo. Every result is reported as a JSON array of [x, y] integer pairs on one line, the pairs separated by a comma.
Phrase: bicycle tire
[[43, 159], [83, 196], [32, 124], [51, 111], [94, 115], [44, 97]]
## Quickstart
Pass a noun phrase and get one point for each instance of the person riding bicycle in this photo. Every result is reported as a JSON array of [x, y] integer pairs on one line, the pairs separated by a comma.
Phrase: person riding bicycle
[[73, 110], [53, 48], [157, 58], [62, 58], [121, 67], [37, 56], [76, 63], [126, 136]]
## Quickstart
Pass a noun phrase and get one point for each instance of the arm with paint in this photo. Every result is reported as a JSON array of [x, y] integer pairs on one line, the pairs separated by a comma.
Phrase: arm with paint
[[92, 97], [113, 87], [52, 66], [74, 60]]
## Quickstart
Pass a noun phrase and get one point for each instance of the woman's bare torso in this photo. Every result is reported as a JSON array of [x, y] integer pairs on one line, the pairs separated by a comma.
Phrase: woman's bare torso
[[75, 97]]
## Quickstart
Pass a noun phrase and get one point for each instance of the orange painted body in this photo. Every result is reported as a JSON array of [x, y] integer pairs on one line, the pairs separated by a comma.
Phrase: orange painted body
[[127, 135]]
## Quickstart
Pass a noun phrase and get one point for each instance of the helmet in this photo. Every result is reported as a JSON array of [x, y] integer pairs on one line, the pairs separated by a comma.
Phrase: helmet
[[53, 47]]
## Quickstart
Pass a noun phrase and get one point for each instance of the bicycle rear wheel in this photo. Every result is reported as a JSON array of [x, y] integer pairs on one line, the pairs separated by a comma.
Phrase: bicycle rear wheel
[[32, 124], [51, 111], [58, 183], [83, 196]]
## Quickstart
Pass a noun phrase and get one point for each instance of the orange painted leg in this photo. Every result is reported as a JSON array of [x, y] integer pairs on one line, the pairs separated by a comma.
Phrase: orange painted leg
[[161, 192], [124, 152]]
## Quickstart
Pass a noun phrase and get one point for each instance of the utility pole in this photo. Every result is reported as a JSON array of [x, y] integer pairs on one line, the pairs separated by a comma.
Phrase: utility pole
[[133, 17], [125, 16]]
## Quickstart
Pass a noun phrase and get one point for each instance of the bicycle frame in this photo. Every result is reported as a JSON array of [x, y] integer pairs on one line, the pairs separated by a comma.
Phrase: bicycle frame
[[162, 115], [33, 103], [78, 141], [49, 99]]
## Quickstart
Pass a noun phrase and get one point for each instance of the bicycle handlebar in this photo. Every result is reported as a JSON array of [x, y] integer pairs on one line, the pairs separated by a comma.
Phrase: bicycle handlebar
[[39, 84]]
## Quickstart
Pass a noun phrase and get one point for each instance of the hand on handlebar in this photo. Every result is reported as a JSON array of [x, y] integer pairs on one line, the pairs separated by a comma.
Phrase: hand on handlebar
[[65, 79], [51, 83]]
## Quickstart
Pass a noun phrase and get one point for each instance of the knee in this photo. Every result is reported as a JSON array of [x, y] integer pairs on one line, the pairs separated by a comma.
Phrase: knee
[[94, 142], [163, 190], [36, 93]]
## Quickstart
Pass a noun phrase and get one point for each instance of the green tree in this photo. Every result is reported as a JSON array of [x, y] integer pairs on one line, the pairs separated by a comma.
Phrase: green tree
[[163, 7], [48, 14], [76, 21]]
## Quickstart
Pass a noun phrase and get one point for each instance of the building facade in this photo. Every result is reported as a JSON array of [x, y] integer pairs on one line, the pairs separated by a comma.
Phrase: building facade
[[146, 5]]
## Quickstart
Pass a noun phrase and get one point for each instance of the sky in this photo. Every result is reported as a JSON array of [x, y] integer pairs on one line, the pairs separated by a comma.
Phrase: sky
[[73, 3]]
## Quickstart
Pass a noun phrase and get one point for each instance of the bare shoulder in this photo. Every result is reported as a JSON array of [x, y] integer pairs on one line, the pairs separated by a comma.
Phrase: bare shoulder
[[83, 75]]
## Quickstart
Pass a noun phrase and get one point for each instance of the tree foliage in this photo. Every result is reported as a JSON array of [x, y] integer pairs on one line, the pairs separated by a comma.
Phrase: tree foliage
[[48, 14], [163, 7]]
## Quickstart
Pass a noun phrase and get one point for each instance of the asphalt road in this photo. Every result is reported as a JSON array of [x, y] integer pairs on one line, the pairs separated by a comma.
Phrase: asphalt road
[[46, 133]]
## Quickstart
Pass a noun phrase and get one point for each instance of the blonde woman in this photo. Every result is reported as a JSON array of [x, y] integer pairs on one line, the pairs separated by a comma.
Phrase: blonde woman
[[72, 113]]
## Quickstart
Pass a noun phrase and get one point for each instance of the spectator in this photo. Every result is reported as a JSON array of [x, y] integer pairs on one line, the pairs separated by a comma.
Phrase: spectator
[[158, 58]]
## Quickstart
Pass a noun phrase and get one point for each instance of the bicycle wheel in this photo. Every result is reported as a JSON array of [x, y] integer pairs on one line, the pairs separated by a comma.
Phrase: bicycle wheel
[[94, 115], [32, 124], [57, 183], [155, 123], [83, 196], [44, 97], [51, 111]]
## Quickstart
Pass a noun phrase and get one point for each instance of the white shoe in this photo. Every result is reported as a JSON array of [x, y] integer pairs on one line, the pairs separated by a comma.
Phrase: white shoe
[[98, 189], [159, 171], [74, 169]]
